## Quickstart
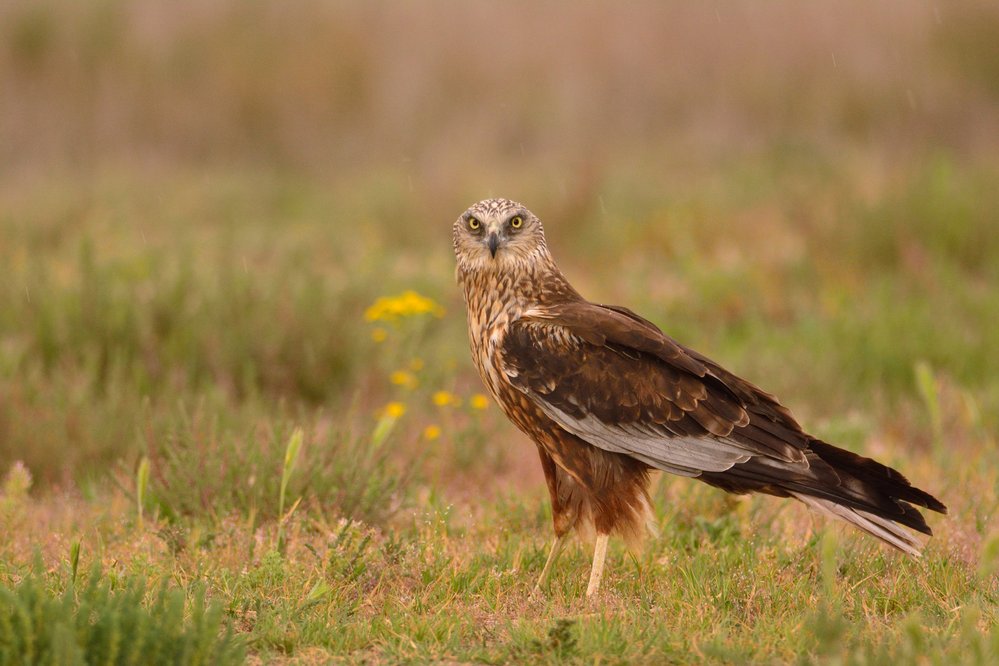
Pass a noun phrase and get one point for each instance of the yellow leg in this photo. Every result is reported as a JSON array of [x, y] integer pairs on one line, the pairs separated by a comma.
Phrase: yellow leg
[[597, 572], [552, 556]]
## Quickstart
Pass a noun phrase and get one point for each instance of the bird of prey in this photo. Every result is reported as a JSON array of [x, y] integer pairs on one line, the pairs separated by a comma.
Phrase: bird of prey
[[607, 397]]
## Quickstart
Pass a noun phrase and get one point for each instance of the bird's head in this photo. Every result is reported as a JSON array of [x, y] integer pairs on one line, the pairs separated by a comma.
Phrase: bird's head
[[494, 234]]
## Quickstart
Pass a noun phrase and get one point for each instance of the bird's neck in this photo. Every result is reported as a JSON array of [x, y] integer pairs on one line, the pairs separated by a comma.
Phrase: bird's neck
[[513, 286]]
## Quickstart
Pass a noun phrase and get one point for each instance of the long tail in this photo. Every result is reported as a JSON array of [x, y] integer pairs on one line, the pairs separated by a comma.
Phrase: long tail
[[859, 490], [891, 533]]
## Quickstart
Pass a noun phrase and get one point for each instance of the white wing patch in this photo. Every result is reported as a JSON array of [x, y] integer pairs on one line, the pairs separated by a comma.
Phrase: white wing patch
[[684, 456]]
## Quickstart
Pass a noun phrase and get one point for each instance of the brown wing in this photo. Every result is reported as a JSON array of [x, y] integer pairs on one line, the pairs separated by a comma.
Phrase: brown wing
[[615, 380]]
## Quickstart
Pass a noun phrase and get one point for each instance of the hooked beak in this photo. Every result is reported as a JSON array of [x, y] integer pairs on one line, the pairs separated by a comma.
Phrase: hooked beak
[[493, 244]]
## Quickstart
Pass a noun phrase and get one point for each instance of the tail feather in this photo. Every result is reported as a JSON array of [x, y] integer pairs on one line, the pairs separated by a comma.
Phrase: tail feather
[[871, 472], [891, 533], [872, 496], [768, 479]]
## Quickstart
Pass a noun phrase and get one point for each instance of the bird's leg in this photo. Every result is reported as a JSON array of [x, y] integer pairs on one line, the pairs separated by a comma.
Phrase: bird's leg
[[550, 562], [597, 572]]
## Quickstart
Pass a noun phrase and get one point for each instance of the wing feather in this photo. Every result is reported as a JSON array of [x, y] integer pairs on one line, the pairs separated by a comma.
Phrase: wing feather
[[615, 380]]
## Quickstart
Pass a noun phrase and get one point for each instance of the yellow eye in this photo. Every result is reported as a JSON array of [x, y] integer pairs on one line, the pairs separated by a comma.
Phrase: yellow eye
[[517, 222], [473, 223]]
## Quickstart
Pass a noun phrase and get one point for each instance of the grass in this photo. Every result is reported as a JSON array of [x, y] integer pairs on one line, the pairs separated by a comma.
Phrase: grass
[[393, 520], [217, 393], [109, 623]]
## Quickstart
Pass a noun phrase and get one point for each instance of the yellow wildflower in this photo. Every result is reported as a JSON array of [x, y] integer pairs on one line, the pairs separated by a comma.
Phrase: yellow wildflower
[[416, 364], [404, 379], [431, 432], [444, 398], [394, 410], [406, 304], [379, 334], [479, 401]]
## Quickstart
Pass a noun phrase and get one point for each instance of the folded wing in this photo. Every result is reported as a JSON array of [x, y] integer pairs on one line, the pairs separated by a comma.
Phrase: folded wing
[[615, 380]]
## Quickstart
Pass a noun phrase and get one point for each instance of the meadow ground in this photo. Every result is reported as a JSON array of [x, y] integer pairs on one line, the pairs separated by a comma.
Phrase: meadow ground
[[234, 380]]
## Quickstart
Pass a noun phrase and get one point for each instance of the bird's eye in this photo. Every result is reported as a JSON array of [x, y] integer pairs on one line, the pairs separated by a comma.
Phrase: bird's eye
[[474, 224], [516, 221]]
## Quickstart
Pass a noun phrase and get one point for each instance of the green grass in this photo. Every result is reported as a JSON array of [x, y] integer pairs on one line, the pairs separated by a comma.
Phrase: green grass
[[105, 622], [200, 427], [375, 541]]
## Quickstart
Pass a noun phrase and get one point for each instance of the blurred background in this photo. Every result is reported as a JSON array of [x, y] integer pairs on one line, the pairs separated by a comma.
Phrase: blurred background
[[199, 201]]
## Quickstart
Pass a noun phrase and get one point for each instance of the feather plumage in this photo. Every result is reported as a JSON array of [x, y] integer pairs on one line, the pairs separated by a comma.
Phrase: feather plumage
[[606, 395]]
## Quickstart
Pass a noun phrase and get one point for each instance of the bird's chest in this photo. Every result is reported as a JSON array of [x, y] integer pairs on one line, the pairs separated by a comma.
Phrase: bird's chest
[[487, 329], [489, 322]]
